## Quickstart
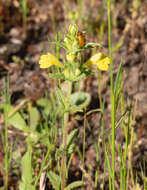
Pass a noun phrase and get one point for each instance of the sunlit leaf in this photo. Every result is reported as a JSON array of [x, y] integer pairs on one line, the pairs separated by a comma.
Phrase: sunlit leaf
[[17, 121]]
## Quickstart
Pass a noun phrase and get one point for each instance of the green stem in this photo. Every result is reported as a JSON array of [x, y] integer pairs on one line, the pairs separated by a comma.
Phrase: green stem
[[112, 94], [84, 138], [58, 56], [65, 133]]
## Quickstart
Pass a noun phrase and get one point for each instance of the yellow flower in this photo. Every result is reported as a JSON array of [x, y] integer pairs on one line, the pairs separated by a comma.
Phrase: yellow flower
[[100, 60], [48, 60]]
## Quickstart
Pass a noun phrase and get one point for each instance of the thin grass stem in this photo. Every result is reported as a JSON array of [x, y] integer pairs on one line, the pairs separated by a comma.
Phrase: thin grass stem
[[112, 94], [6, 148]]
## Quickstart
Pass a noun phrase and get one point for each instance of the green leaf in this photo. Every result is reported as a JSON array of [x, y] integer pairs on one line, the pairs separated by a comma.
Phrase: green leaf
[[77, 78], [27, 167], [118, 76], [59, 153], [61, 97], [56, 75], [26, 179], [84, 73], [74, 185], [75, 109], [71, 136], [71, 149], [24, 186], [34, 118], [70, 139], [79, 101], [54, 179], [46, 105], [118, 85], [42, 102], [17, 121]]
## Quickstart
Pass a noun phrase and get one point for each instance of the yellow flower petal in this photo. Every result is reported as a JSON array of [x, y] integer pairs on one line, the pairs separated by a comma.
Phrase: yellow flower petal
[[103, 64], [100, 60], [48, 60], [93, 59]]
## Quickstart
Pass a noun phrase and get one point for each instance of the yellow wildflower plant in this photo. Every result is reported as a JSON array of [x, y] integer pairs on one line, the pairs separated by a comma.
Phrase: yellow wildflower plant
[[100, 60], [47, 60]]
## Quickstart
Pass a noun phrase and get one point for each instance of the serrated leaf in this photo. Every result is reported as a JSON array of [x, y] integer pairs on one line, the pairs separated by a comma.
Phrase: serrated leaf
[[71, 149], [84, 73], [34, 118], [17, 121], [61, 97], [59, 153], [54, 179], [74, 185], [71, 136], [70, 139], [75, 109], [77, 78], [56, 75]]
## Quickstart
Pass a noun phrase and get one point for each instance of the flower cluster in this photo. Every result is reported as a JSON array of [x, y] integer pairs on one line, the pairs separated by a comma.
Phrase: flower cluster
[[71, 65]]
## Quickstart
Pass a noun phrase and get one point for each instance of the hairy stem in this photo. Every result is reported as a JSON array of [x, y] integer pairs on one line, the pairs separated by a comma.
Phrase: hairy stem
[[65, 134]]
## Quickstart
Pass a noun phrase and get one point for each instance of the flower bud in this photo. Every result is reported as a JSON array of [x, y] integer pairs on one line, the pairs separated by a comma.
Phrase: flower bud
[[73, 29]]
